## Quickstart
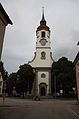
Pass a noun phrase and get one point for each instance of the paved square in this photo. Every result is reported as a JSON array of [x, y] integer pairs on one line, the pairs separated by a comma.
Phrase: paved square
[[45, 109]]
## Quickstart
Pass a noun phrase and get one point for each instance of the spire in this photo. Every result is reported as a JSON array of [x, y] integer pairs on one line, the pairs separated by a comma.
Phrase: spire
[[43, 21], [43, 25]]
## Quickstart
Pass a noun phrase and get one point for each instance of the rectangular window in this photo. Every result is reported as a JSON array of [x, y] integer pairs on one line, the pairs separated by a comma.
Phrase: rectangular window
[[42, 34]]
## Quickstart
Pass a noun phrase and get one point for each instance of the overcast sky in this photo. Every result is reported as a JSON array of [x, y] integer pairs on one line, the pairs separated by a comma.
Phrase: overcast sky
[[62, 17]]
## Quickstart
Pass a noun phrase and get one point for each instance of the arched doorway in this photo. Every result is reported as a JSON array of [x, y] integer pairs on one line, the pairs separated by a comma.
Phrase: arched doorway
[[42, 89]]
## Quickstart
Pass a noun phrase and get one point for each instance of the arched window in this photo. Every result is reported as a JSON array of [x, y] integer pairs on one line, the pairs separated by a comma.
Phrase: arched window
[[43, 75], [42, 34], [43, 55]]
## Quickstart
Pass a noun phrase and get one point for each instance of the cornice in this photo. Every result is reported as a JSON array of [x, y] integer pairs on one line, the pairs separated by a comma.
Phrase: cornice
[[43, 47], [6, 17]]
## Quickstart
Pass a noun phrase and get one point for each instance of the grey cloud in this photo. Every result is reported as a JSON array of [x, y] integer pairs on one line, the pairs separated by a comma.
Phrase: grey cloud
[[75, 36], [20, 39]]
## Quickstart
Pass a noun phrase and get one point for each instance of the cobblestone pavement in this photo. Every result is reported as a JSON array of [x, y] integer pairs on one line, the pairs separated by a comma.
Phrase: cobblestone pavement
[[45, 109]]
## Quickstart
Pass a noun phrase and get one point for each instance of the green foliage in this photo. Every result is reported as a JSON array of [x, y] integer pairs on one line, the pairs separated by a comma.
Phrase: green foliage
[[26, 77], [4, 74], [65, 75], [22, 80], [11, 82], [2, 70]]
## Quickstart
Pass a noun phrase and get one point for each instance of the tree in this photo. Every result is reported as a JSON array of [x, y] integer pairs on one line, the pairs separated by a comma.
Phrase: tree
[[4, 74], [2, 70], [22, 80], [65, 75], [11, 82], [25, 78]]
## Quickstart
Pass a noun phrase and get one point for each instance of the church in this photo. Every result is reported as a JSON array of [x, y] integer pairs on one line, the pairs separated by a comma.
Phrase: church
[[42, 61]]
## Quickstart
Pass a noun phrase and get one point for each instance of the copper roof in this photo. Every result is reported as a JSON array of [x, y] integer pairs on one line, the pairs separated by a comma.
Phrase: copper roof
[[43, 27]]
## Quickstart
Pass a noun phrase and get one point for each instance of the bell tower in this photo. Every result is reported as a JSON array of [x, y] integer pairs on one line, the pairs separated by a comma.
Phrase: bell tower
[[43, 60], [43, 34]]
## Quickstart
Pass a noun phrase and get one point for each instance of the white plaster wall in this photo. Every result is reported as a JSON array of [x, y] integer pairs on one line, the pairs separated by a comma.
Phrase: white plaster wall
[[38, 44], [38, 62], [43, 80]]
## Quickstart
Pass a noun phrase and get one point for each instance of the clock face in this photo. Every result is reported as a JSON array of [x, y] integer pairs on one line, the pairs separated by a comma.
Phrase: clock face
[[43, 42]]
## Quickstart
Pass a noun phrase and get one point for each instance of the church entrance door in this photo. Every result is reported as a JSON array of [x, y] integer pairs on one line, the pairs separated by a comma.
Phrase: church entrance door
[[42, 91]]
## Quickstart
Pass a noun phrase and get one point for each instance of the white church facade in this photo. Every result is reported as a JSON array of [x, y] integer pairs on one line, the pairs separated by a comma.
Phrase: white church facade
[[43, 60]]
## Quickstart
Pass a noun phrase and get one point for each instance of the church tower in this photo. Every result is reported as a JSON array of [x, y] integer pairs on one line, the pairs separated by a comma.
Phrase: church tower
[[42, 61]]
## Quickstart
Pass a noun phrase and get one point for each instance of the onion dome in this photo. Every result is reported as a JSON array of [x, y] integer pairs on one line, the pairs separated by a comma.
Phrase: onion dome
[[43, 25]]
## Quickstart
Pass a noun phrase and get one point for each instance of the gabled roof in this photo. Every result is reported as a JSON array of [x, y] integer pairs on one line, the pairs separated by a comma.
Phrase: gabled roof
[[5, 14]]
